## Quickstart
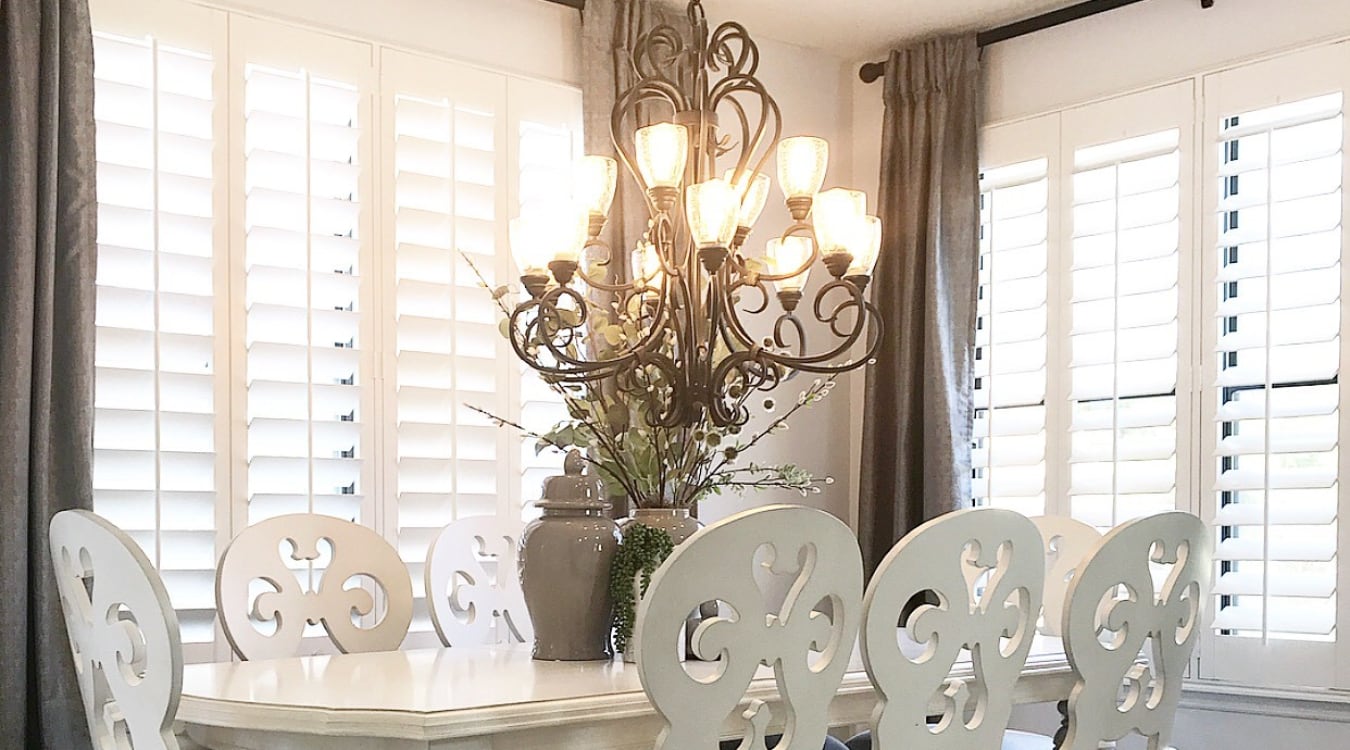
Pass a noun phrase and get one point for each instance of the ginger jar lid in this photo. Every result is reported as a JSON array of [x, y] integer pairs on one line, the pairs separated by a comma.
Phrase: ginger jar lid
[[574, 488]]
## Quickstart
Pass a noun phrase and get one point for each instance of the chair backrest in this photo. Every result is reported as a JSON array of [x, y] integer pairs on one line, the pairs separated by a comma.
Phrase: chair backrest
[[255, 555], [469, 606], [1068, 542], [1142, 590], [807, 640], [970, 584], [123, 632]]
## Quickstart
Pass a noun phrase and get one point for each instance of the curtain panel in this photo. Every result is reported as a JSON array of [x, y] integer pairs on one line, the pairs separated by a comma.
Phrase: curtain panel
[[918, 410], [48, 213]]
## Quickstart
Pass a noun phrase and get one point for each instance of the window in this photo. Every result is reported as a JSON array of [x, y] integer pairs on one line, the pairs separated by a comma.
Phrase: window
[[285, 320], [1188, 364], [1010, 338], [1272, 463], [1124, 259]]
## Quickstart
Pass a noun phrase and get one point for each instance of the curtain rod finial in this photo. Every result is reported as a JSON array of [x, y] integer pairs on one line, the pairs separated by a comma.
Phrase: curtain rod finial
[[870, 72]]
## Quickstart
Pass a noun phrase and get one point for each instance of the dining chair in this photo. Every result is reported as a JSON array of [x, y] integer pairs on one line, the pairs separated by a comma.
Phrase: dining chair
[[966, 585], [1068, 542], [259, 583], [123, 633], [470, 605], [807, 639], [1133, 617]]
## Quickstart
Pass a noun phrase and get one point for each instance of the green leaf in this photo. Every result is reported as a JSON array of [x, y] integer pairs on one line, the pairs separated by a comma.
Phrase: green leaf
[[504, 328]]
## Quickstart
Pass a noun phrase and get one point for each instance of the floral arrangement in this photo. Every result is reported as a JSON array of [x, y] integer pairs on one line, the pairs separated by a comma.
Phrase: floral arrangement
[[654, 465]]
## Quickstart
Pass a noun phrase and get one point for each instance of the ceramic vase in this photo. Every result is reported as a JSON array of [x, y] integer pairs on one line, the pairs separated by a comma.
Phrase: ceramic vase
[[565, 558]]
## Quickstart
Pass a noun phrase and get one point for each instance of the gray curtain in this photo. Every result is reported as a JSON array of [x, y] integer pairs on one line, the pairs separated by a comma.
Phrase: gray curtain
[[48, 213], [609, 31], [918, 414]]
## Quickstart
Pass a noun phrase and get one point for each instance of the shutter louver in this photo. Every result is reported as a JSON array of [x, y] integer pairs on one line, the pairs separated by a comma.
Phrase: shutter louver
[[306, 423], [155, 397], [449, 350], [1124, 332], [1008, 453], [1278, 415]]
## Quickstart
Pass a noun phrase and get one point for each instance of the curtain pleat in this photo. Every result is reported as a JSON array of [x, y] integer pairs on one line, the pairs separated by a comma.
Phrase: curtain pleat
[[918, 410], [48, 213]]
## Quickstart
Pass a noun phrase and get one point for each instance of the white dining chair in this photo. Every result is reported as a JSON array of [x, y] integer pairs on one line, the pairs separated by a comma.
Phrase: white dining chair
[[284, 605], [1068, 542], [807, 640], [1133, 617], [123, 632], [470, 605], [968, 585]]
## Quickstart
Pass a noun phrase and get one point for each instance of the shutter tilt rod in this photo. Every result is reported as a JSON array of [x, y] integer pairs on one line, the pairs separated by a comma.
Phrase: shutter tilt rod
[[872, 71]]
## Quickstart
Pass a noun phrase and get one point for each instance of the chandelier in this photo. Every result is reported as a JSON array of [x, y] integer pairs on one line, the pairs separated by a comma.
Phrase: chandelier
[[696, 288]]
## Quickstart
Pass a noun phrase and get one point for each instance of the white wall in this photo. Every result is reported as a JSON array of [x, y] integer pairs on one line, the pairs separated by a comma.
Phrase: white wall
[[1124, 50]]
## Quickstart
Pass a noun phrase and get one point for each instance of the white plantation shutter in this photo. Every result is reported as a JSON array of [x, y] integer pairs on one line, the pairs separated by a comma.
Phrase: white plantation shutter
[[1274, 394], [157, 474], [545, 124], [1009, 450], [448, 167], [284, 323], [1129, 162], [308, 320]]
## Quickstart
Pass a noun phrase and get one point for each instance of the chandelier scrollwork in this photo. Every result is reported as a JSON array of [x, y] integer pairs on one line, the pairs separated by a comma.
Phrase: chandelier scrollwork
[[684, 320]]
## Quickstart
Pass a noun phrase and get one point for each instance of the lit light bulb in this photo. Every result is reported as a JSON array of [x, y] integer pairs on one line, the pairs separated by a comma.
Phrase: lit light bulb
[[801, 165], [529, 245], [711, 208], [835, 215], [662, 150], [753, 192], [596, 178], [786, 255], [866, 246]]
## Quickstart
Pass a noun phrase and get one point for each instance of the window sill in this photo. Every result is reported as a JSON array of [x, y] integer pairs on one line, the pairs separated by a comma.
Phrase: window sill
[[1314, 704]]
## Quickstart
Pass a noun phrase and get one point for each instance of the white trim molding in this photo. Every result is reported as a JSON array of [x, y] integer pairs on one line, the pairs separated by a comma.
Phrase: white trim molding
[[1292, 703]]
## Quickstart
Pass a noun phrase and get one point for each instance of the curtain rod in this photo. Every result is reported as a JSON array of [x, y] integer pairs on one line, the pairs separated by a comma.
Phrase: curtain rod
[[872, 71], [578, 4]]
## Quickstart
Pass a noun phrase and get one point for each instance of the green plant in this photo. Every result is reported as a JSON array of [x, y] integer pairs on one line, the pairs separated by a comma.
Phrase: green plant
[[643, 550]]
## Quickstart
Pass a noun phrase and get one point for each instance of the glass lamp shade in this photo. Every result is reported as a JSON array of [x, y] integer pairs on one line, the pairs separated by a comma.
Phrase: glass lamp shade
[[662, 150], [786, 255], [529, 245], [801, 165], [596, 178], [711, 208], [548, 233], [567, 231], [866, 246], [752, 198], [835, 216]]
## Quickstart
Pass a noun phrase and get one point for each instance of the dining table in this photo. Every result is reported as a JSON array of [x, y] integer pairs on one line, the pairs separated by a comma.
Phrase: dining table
[[491, 698]]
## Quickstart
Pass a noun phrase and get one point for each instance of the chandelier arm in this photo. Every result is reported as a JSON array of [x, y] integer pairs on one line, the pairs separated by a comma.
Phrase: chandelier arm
[[733, 321], [769, 114], [744, 61], [577, 369], [785, 320], [796, 228], [601, 285]]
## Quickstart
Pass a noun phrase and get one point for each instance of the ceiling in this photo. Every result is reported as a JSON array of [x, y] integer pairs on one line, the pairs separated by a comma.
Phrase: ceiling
[[856, 29]]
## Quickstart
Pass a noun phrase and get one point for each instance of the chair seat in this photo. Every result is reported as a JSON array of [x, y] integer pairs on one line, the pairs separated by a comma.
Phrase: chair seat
[[1015, 740]]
